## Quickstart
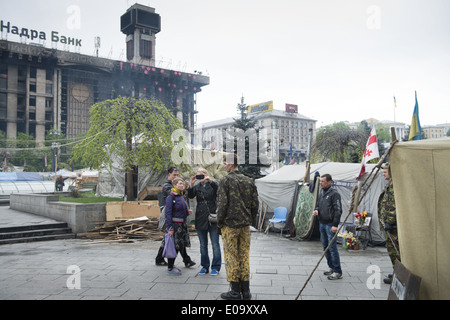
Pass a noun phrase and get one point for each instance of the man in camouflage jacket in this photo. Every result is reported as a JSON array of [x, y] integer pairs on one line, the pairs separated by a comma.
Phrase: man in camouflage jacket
[[237, 207], [388, 218]]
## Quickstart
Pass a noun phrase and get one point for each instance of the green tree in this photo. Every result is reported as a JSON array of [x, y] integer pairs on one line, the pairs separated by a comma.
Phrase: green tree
[[22, 151], [339, 143], [245, 123], [136, 131]]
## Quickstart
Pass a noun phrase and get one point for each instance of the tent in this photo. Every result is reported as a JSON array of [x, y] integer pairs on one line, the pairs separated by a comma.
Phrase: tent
[[279, 188], [112, 181], [421, 174]]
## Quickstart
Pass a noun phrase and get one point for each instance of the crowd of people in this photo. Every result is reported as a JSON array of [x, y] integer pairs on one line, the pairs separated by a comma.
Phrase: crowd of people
[[228, 208]]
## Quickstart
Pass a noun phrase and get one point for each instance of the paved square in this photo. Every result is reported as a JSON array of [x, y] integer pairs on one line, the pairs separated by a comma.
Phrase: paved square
[[279, 269]]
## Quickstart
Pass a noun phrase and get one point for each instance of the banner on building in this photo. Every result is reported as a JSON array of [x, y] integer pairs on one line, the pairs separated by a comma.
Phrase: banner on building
[[291, 108], [260, 107]]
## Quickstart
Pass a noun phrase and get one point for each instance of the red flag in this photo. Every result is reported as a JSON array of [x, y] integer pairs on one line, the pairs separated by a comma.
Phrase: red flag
[[371, 151]]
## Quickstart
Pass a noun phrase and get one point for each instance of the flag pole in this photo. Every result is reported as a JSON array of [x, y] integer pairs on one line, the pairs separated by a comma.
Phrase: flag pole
[[395, 107]]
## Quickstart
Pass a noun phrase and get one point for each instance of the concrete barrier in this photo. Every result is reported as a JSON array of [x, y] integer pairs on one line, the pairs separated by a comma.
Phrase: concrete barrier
[[80, 217]]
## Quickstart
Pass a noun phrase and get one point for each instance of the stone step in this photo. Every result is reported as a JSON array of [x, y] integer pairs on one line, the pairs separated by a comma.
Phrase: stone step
[[38, 238], [30, 233], [34, 227]]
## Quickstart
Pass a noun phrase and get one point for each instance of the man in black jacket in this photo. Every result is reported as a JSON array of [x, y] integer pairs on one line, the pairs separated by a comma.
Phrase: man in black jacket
[[329, 211]]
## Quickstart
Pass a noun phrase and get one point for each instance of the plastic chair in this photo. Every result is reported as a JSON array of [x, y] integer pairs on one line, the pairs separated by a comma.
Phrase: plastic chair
[[279, 216]]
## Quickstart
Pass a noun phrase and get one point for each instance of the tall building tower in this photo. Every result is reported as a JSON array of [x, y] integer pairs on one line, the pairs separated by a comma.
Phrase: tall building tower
[[141, 24]]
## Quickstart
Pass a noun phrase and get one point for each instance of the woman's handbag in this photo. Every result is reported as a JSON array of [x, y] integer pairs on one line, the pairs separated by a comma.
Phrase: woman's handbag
[[212, 217], [169, 247]]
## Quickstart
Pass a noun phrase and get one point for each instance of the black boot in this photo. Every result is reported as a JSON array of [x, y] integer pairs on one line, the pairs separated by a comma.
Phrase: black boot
[[234, 293], [245, 290], [388, 280]]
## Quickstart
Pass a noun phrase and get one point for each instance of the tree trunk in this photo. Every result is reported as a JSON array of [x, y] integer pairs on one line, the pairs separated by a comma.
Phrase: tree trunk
[[129, 165]]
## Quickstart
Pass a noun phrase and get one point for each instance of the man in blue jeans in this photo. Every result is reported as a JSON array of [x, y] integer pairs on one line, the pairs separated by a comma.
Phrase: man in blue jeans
[[329, 211]]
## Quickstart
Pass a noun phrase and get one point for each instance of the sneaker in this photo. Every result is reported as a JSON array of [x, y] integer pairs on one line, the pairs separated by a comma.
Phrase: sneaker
[[203, 272], [335, 276], [214, 272], [174, 271], [328, 273]]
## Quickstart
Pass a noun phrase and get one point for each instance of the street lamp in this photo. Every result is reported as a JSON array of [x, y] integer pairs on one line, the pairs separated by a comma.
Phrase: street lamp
[[55, 149]]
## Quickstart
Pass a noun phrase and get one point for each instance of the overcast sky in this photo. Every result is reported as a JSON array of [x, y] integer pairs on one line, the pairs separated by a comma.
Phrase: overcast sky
[[338, 60]]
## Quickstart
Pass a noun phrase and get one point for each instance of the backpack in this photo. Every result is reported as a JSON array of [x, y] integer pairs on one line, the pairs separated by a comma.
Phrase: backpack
[[162, 218]]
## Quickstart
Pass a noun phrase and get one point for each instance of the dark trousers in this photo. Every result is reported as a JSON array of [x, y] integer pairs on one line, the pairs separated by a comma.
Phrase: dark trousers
[[183, 252]]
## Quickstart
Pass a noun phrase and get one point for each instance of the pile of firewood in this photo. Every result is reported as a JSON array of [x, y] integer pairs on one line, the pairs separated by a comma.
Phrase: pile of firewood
[[125, 231]]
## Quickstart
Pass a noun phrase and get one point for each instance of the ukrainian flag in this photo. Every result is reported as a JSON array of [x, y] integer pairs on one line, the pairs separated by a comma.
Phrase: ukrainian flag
[[415, 129]]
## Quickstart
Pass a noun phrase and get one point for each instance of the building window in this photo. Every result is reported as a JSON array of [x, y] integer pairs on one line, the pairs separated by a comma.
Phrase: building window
[[49, 88], [130, 50], [48, 103], [49, 75], [3, 77], [22, 72], [32, 101], [22, 85], [33, 72], [21, 101], [32, 86], [3, 81], [146, 49], [3, 104]]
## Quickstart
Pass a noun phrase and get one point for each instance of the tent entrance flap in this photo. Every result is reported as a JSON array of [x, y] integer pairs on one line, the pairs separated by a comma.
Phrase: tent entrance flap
[[304, 221]]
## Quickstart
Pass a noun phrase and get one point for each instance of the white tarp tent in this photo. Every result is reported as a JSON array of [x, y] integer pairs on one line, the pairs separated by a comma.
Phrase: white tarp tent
[[112, 182], [278, 188]]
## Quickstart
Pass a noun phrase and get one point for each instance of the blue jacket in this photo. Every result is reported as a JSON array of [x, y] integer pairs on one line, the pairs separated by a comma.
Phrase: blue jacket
[[176, 209]]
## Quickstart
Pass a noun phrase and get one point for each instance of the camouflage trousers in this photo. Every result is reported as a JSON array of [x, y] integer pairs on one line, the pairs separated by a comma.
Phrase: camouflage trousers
[[236, 249], [392, 252]]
